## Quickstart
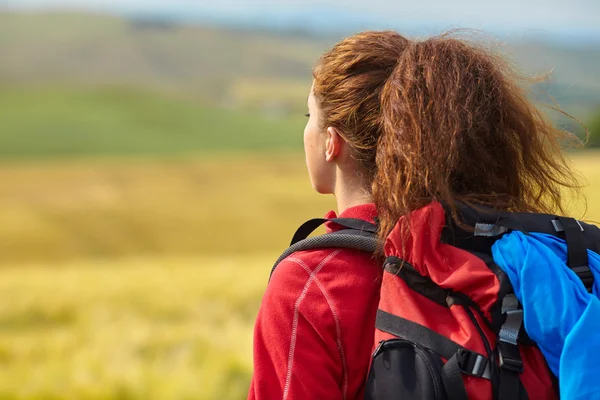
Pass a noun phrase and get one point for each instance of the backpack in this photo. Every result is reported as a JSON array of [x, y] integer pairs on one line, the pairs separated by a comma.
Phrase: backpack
[[448, 324]]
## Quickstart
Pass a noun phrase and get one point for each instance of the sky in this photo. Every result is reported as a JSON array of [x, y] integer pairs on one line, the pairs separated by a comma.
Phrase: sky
[[578, 18]]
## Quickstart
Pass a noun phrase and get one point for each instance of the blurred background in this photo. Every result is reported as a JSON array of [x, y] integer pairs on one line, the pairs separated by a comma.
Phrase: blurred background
[[151, 170]]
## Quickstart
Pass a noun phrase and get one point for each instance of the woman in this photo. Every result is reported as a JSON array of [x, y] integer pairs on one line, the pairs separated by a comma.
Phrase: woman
[[394, 124]]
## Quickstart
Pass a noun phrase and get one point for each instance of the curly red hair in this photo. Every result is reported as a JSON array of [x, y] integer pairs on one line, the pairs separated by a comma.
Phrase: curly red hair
[[440, 119]]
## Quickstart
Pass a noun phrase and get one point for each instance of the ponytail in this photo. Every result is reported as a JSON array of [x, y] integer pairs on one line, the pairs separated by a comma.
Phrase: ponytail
[[440, 120]]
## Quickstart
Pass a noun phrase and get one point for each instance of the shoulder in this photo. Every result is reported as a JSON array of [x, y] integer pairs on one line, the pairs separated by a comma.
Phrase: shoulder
[[325, 268], [295, 271]]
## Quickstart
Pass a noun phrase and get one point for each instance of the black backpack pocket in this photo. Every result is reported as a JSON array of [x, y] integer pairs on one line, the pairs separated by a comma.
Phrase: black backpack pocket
[[404, 370]]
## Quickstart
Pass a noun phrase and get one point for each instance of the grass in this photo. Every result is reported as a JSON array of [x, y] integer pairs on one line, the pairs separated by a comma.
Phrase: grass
[[163, 328], [58, 211], [57, 121], [141, 279], [68, 210]]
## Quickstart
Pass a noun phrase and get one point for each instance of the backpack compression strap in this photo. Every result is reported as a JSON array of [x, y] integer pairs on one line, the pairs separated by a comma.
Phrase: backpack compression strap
[[460, 361], [360, 235]]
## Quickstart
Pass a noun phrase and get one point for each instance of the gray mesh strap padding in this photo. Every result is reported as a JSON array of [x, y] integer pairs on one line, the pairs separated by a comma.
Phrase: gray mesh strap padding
[[354, 224], [331, 240]]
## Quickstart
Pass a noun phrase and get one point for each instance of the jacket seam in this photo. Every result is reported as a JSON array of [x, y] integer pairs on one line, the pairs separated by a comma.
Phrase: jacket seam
[[293, 339], [336, 319]]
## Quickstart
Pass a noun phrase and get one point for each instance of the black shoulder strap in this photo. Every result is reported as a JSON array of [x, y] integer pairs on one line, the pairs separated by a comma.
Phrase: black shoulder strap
[[345, 239], [350, 223], [489, 225]]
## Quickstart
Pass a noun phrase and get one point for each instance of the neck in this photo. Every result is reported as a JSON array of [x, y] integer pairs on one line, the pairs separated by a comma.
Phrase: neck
[[350, 192]]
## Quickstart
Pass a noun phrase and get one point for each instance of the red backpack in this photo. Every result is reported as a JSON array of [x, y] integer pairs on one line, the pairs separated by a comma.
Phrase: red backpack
[[448, 326]]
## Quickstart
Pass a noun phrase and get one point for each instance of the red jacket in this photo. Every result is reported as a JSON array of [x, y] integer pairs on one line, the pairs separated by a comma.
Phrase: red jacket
[[314, 332]]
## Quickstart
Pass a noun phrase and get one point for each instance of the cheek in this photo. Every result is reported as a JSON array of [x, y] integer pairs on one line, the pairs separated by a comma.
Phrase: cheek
[[315, 160], [309, 139], [306, 133], [310, 149]]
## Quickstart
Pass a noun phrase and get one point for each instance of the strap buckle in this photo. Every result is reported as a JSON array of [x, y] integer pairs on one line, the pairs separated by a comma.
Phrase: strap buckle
[[509, 332], [471, 363], [508, 347], [509, 357]]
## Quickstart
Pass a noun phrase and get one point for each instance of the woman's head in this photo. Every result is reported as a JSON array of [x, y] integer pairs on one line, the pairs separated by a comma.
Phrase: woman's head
[[438, 119]]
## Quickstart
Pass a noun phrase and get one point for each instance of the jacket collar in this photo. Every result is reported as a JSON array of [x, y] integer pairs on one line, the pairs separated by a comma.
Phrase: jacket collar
[[366, 212]]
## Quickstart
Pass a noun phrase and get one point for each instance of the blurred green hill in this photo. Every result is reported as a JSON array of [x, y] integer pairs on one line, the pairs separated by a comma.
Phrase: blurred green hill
[[61, 121], [109, 85], [223, 67]]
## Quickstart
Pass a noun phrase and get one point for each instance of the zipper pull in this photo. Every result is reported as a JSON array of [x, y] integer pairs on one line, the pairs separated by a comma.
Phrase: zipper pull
[[378, 348]]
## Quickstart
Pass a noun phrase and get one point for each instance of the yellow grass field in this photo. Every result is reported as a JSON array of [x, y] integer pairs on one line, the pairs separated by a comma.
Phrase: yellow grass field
[[166, 328], [141, 279]]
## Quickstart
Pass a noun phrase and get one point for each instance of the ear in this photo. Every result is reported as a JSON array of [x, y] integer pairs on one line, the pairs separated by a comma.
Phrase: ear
[[333, 144]]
